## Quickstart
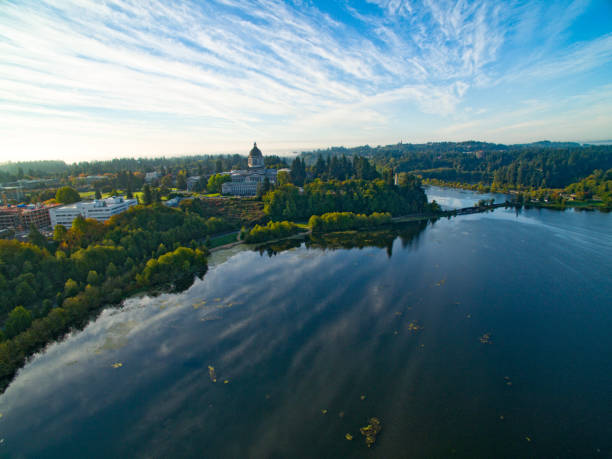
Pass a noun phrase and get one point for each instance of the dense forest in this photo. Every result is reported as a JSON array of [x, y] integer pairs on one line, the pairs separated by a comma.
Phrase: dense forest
[[362, 196], [539, 165]]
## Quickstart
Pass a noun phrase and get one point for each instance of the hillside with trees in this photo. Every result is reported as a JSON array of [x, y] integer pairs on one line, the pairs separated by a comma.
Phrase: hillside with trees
[[538, 165], [359, 196]]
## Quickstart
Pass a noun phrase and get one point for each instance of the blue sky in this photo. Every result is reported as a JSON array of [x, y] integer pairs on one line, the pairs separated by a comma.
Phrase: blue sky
[[83, 79]]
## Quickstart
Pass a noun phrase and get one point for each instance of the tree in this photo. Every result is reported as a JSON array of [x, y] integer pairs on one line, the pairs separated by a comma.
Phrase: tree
[[129, 194], [36, 237], [298, 171], [181, 180], [111, 270], [67, 195], [215, 182], [98, 195], [147, 197], [167, 181], [282, 178], [70, 288], [18, 320], [24, 293], [93, 278]]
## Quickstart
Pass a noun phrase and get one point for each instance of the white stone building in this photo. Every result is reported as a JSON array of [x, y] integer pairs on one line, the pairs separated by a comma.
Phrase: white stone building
[[100, 209], [246, 182]]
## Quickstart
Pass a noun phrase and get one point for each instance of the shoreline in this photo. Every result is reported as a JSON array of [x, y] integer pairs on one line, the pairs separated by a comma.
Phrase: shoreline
[[579, 205]]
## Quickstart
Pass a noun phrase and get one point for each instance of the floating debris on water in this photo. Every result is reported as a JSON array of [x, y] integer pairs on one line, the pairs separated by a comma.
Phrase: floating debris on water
[[363, 397], [226, 381], [395, 332], [1, 415], [528, 439], [509, 383], [371, 431], [486, 338], [348, 436], [468, 316], [117, 365], [399, 313], [212, 374], [267, 396], [217, 299], [501, 418], [441, 283], [324, 411], [341, 414]]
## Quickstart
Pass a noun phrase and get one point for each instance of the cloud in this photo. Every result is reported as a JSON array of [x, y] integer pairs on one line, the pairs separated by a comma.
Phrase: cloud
[[211, 71]]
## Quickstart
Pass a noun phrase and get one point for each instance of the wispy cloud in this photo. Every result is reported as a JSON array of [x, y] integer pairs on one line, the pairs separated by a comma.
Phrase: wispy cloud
[[200, 75]]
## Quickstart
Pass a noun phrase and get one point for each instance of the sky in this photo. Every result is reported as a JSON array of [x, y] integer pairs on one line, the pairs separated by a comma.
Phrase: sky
[[94, 79]]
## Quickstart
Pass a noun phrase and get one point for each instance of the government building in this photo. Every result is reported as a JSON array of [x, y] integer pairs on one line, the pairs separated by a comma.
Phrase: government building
[[100, 209], [246, 182]]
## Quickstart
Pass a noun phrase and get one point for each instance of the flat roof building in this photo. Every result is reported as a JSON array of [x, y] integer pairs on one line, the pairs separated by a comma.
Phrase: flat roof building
[[100, 209]]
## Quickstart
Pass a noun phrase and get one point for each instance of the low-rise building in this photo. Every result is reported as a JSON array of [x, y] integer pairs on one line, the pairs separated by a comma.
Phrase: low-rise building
[[22, 216], [151, 176], [193, 183], [100, 209]]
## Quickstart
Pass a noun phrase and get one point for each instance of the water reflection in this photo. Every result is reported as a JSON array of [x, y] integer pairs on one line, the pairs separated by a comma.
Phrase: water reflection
[[331, 332], [407, 233]]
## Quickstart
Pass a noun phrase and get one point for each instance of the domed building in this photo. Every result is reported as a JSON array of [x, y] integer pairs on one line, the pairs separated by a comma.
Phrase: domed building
[[247, 182], [256, 159]]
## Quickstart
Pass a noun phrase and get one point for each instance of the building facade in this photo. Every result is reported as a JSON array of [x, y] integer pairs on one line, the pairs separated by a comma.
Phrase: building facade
[[21, 217], [100, 209], [247, 182]]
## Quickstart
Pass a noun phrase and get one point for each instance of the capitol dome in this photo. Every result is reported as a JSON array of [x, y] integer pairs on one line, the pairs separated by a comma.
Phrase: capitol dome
[[255, 157]]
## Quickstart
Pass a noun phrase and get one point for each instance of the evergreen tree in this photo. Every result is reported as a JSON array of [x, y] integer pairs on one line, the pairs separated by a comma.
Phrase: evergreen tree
[[147, 197]]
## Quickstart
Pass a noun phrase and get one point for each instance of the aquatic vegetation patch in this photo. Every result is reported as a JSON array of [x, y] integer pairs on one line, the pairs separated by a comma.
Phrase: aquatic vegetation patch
[[212, 373], [371, 431], [414, 326], [199, 304], [117, 365]]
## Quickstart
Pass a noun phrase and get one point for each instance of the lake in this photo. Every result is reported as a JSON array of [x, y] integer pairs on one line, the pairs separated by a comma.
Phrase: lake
[[487, 335]]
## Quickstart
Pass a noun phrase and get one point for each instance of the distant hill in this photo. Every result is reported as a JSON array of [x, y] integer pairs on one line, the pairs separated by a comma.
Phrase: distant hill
[[538, 164], [35, 168]]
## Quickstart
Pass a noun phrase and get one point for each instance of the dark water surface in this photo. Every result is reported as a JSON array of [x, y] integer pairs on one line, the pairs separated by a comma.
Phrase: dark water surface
[[315, 328]]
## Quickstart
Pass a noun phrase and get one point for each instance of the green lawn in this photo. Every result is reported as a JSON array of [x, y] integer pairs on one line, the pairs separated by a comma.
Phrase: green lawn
[[222, 240]]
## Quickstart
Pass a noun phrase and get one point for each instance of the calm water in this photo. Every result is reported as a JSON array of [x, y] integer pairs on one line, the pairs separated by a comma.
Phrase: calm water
[[318, 326]]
